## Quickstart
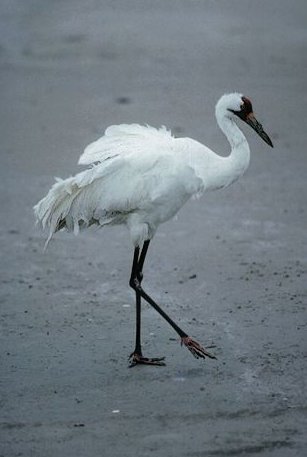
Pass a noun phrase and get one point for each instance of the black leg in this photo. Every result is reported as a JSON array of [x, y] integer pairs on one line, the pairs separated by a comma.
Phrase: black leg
[[142, 257], [138, 348], [135, 282], [139, 263], [194, 347], [136, 278], [134, 274]]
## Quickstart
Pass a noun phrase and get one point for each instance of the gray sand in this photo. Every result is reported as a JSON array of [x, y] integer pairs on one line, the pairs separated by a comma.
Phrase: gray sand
[[231, 270]]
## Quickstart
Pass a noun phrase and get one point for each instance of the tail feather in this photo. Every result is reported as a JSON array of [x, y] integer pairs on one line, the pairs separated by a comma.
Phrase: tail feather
[[52, 210], [76, 202]]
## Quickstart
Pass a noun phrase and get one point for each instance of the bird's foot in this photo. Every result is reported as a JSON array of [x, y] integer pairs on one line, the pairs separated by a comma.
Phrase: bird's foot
[[138, 359], [195, 348]]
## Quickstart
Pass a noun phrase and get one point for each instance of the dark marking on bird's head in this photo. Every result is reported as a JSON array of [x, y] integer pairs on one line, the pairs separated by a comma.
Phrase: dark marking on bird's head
[[246, 114], [245, 109], [247, 105]]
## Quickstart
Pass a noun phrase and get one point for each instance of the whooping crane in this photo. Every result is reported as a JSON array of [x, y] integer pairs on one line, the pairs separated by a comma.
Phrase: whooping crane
[[141, 176]]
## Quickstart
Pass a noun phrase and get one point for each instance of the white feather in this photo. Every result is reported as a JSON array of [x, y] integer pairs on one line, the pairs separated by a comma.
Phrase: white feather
[[123, 139], [141, 177]]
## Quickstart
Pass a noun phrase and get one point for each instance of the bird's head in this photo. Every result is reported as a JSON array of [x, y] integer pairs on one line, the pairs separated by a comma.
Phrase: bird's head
[[237, 105]]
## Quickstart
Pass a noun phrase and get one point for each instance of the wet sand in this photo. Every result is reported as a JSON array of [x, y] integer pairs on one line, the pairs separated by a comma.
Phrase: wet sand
[[231, 270]]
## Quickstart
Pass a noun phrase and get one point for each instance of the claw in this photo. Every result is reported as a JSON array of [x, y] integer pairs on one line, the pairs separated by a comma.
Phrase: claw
[[195, 348], [137, 359]]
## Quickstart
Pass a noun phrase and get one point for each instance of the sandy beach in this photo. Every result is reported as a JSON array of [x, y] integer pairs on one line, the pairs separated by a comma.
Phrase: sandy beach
[[231, 270]]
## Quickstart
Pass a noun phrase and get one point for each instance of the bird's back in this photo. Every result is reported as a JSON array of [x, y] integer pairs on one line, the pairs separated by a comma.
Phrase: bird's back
[[126, 139]]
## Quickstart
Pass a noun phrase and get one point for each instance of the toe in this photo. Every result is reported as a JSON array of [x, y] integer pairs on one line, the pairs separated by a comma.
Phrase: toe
[[137, 359], [196, 349]]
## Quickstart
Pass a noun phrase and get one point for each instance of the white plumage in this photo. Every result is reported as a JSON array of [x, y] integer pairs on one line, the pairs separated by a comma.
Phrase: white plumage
[[141, 176]]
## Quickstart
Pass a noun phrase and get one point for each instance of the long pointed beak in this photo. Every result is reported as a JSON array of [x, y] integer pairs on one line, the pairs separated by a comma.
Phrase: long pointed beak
[[252, 121]]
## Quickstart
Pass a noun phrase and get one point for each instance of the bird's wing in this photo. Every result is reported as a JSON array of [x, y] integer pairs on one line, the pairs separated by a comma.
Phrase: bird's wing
[[157, 183], [123, 139]]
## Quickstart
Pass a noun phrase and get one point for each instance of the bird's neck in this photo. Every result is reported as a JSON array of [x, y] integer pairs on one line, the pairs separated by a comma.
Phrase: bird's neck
[[233, 166]]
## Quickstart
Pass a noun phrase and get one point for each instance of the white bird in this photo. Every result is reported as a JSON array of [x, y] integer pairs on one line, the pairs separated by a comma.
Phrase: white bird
[[140, 176]]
